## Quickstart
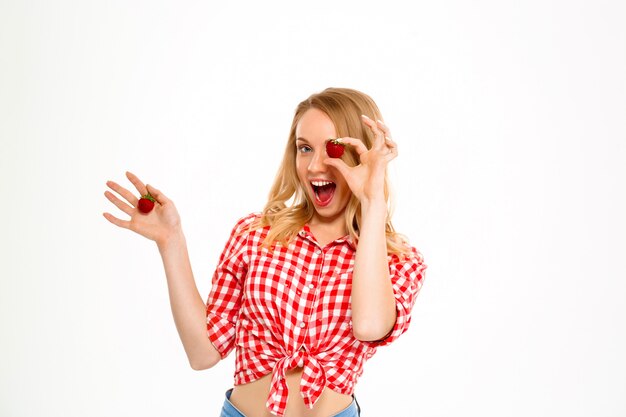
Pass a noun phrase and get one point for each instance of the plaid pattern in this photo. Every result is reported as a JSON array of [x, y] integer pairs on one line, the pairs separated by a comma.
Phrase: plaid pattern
[[290, 307]]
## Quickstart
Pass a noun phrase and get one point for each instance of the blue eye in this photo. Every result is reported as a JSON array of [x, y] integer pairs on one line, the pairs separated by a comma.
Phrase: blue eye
[[304, 148]]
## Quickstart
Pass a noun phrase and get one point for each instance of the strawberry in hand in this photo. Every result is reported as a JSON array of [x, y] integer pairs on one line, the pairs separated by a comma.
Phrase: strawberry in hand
[[146, 203], [334, 148], [160, 225]]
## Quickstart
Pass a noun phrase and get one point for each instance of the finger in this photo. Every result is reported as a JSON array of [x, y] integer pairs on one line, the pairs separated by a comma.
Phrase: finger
[[382, 126], [119, 203], [357, 144], [337, 163], [372, 125], [157, 194], [385, 129], [393, 151], [118, 222], [390, 143], [141, 188], [378, 133], [130, 197], [391, 155]]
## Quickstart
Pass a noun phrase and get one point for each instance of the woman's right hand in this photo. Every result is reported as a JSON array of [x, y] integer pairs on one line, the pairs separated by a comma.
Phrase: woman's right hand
[[157, 225]]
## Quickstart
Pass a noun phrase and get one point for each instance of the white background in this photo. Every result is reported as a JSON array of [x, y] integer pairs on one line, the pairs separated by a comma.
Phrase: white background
[[511, 180]]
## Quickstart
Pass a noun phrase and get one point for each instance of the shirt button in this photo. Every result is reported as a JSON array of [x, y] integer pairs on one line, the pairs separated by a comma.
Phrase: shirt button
[[319, 251], [302, 325], [311, 286]]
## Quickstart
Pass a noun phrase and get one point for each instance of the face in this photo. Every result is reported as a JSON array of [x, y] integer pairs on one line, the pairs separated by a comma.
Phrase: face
[[324, 185]]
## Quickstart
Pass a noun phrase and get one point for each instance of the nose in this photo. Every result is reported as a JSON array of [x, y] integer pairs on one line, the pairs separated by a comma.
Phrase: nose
[[317, 162]]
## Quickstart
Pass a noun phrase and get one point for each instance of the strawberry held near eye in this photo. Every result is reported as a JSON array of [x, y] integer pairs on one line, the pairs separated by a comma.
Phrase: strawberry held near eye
[[334, 148], [146, 203]]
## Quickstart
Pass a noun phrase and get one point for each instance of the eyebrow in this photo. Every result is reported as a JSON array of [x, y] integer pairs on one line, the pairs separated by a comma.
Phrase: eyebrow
[[302, 140]]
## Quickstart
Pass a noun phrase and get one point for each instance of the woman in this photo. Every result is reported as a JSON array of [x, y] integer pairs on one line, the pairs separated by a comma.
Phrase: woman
[[308, 289]]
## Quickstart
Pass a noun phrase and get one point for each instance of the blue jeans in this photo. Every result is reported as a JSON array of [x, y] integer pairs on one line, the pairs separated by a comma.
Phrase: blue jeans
[[229, 410]]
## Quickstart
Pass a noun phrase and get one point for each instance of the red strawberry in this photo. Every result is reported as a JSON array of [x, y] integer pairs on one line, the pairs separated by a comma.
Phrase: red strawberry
[[334, 148], [146, 203]]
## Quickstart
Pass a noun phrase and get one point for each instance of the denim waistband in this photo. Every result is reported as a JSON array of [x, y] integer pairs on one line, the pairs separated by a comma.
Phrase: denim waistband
[[229, 410]]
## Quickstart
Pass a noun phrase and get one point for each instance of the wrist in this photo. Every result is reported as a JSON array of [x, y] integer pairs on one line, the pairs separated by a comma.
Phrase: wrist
[[373, 205], [171, 239]]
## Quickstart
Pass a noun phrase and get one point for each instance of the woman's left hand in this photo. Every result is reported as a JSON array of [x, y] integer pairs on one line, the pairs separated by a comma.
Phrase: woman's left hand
[[367, 179]]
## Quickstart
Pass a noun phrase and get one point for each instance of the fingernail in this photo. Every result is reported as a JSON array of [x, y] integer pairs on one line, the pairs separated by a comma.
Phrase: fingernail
[[380, 121], [365, 117]]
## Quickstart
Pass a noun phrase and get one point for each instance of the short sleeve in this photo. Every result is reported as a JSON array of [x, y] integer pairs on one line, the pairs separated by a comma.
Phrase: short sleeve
[[224, 301], [407, 275]]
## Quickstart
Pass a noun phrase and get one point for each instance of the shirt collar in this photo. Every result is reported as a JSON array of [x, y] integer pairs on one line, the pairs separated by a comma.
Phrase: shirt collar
[[305, 232]]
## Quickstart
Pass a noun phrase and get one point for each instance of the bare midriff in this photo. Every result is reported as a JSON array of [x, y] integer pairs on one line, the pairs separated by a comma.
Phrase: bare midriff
[[250, 398]]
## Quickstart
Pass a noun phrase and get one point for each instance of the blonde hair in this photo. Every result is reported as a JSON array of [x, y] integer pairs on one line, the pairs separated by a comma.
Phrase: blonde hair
[[344, 107]]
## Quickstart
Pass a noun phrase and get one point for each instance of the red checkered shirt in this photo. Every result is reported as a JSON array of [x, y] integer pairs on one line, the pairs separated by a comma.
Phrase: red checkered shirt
[[291, 308]]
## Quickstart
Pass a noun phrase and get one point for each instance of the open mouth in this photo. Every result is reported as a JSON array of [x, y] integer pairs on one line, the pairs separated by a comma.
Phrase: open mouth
[[324, 191]]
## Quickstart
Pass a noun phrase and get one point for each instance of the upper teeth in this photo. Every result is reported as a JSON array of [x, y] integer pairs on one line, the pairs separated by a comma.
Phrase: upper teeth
[[320, 183]]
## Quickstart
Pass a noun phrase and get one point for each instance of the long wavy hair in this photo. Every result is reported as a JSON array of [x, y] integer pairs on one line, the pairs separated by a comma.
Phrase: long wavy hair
[[288, 207]]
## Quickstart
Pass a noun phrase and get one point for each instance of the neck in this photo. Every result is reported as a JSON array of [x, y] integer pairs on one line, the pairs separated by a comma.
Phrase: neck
[[326, 229]]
